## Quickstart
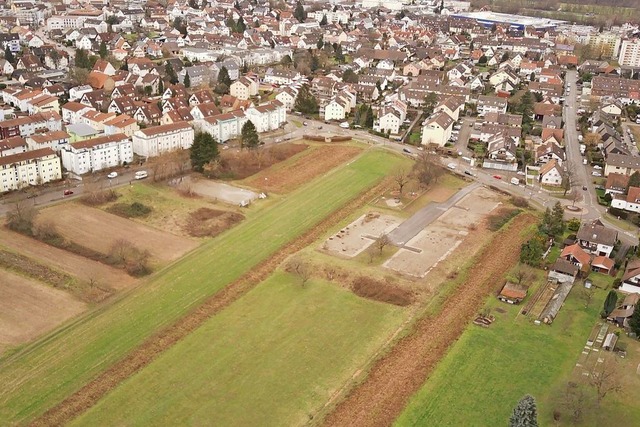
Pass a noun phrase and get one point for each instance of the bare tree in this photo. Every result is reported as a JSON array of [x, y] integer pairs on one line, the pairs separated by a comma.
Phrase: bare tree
[[382, 242], [586, 295], [521, 276], [371, 251], [401, 179], [21, 217], [427, 168], [605, 379], [568, 178], [302, 269], [575, 401]]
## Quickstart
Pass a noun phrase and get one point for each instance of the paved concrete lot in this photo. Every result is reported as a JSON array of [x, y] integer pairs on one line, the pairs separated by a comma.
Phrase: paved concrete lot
[[360, 234], [220, 191], [444, 234]]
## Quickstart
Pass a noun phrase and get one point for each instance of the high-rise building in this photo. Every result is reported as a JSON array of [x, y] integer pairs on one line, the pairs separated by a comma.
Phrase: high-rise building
[[630, 53]]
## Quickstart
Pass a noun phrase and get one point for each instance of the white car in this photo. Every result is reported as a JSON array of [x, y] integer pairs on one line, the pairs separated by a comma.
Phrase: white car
[[520, 173], [451, 166], [112, 175], [596, 174], [597, 167]]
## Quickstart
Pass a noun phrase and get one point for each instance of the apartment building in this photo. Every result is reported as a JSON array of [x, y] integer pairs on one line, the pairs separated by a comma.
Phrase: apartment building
[[630, 53], [154, 141], [267, 117], [91, 155], [29, 168], [27, 126], [224, 127]]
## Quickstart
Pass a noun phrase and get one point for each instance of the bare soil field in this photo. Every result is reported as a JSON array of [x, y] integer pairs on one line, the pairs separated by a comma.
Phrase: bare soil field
[[207, 222], [310, 164], [80, 267], [99, 230], [219, 191], [394, 378], [28, 309], [360, 234], [236, 164], [439, 239]]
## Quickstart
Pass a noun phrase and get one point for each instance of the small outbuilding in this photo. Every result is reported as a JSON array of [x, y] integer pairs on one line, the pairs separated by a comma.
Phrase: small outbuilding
[[563, 271], [512, 293]]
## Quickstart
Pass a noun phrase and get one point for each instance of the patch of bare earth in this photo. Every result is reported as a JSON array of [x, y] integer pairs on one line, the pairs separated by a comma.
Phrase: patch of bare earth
[[394, 378], [82, 268], [140, 357], [99, 231], [313, 163], [28, 309], [207, 222]]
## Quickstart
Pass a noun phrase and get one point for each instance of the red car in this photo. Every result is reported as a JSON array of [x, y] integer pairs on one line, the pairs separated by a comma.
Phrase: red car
[[68, 192], [497, 176]]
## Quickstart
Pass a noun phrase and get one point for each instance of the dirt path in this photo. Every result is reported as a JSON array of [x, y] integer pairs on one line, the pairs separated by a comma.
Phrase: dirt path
[[395, 378], [89, 395], [78, 266]]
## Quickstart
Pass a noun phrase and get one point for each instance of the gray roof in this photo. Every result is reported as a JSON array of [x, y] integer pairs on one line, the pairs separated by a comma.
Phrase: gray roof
[[596, 233]]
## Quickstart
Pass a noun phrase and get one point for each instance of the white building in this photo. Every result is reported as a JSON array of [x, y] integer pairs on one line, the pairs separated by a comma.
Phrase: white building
[[65, 22], [224, 127], [629, 53], [267, 117], [29, 168], [153, 141], [551, 174], [54, 140], [244, 88], [91, 155], [288, 97], [437, 129], [336, 109], [389, 120]]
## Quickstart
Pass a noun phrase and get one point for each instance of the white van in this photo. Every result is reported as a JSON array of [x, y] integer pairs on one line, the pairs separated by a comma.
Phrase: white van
[[141, 175], [344, 125]]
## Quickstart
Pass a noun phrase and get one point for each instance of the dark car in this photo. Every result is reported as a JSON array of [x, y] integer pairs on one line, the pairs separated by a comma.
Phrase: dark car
[[584, 187], [67, 192], [406, 150]]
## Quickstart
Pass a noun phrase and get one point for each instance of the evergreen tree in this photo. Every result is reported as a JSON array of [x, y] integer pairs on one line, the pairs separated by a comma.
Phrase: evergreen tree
[[299, 13], [306, 103], [171, 73], [8, 55], [249, 135], [525, 414], [315, 63], [546, 224], [323, 21], [320, 43], [187, 80], [349, 76], [532, 250], [482, 60], [610, 303], [160, 87], [634, 180], [240, 25], [82, 59], [103, 50], [203, 151], [337, 53], [634, 321], [223, 76], [368, 121], [558, 225]]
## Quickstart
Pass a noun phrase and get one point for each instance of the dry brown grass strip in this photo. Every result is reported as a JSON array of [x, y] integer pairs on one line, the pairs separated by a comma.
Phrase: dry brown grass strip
[[394, 378], [140, 357]]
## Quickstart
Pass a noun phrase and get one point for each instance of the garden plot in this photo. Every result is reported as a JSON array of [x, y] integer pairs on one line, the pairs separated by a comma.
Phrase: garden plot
[[439, 239], [220, 191], [360, 234]]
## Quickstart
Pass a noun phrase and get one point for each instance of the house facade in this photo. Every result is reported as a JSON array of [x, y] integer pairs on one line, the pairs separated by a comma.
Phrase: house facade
[[154, 141], [29, 168], [92, 155]]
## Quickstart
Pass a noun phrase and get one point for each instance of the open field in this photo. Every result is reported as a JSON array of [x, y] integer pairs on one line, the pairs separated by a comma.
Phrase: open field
[[489, 369], [302, 168], [170, 211], [270, 359], [381, 396], [34, 381], [99, 230], [360, 234], [28, 309], [78, 266]]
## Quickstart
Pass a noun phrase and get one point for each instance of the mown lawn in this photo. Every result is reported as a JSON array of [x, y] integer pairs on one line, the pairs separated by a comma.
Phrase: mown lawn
[[488, 370], [44, 373], [271, 359]]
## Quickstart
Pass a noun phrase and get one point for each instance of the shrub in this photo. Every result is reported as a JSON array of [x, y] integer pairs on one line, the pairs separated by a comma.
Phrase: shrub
[[133, 210], [519, 202], [97, 198], [367, 287]]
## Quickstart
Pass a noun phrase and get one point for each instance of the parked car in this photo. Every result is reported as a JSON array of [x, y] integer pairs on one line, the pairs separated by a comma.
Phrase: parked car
[[67, 192], [142, 174], [594, 173], [468, 173], [451, 166], [520, 173], [406, 150], [584, 187], [304, 123], [112, 175], [597, 167], [497, 176]]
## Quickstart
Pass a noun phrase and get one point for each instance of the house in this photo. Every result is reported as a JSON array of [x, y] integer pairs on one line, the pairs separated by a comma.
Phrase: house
[[452, 105], [267, 117], [597, 239], [244, 88], [613, 107], [95, 154], [551, 173], [549, 151], [630, 202], [562, 271], [13, 145], [616, 184], [388, 121], [621, 315], [157, 140], [224, 127], [491, 104], [513, 293], [281, 77], [337, 109], [288, 97], [602, 264], [622, 164], [576, 256], [34, 167], [437, 129], [54, 140], [631, 278], [121, 124]]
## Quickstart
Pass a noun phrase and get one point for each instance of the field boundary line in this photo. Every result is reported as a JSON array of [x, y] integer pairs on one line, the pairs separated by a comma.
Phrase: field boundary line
[[150, 349]]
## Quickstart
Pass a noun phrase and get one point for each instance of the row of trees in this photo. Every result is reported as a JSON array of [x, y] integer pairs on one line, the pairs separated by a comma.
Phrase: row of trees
[[204, 150]]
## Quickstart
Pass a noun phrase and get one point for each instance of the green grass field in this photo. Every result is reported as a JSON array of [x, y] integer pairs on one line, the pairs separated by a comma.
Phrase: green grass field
[[270, 359], [488, 370], [47, 371]]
